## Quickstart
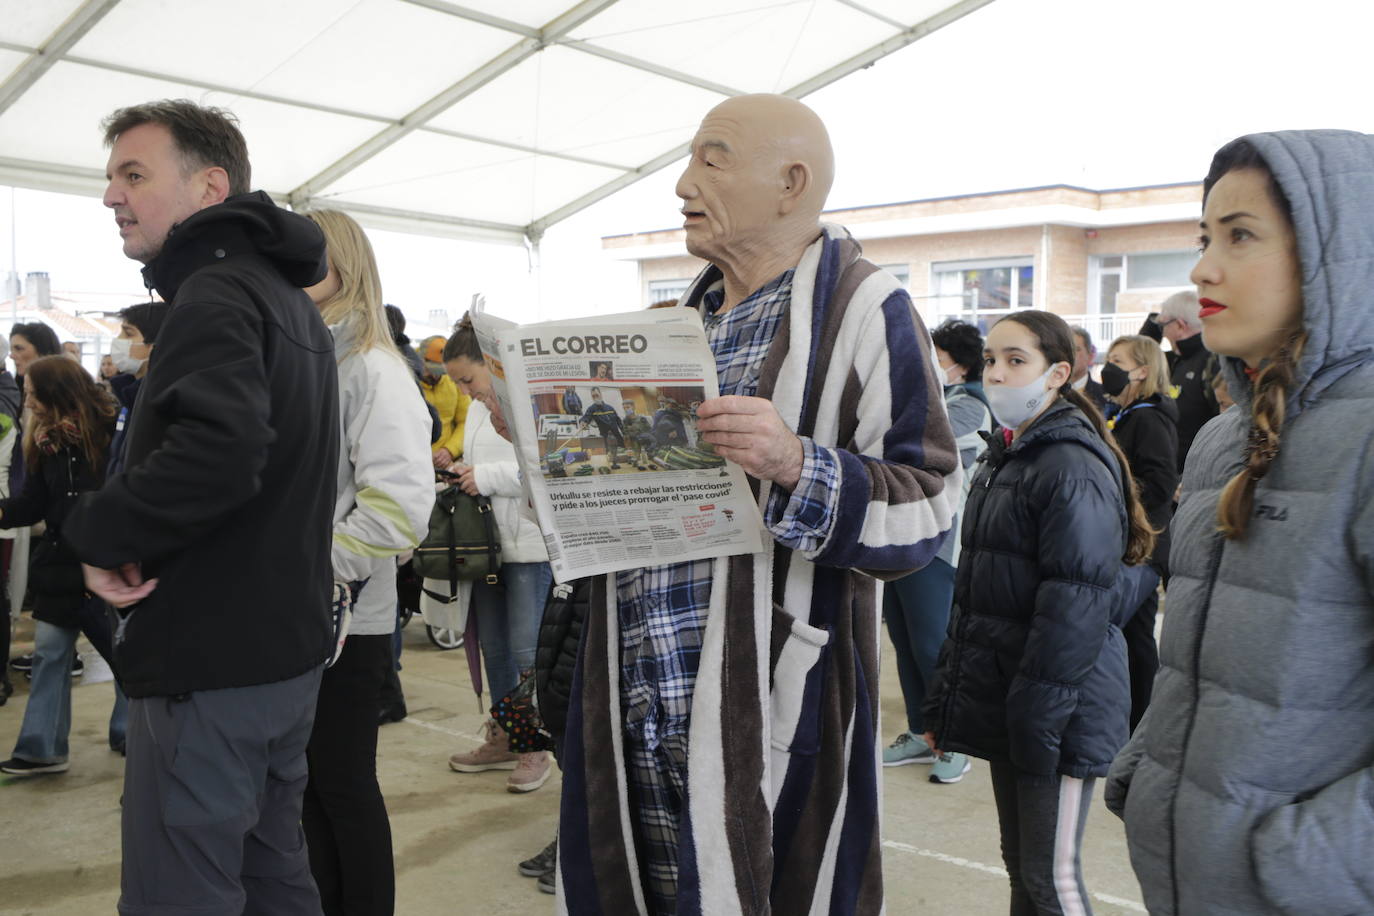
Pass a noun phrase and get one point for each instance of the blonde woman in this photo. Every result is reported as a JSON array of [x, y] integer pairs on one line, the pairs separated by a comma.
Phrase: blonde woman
[[1144, 420], [385, 493]]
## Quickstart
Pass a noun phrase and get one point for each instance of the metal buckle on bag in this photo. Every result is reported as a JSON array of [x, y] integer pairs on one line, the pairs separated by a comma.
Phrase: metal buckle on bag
[[491, 578]]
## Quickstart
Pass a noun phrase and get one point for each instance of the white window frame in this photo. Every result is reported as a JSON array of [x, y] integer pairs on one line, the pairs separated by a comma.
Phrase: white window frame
[[1095, 272], [650, 296]]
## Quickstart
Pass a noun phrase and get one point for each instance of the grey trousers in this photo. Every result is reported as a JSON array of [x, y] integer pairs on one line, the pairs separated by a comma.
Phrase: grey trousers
[[212, 803]]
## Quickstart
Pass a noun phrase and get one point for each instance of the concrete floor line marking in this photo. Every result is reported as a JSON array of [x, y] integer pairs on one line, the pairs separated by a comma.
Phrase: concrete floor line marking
[[999, 871], [445, 731], [947, 859]]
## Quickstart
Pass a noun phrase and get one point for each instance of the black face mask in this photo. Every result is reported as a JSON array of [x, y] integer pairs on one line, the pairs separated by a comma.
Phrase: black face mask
[[1114, 379]]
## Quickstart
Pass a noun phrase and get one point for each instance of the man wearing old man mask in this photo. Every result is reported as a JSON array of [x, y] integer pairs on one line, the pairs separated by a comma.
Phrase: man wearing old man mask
[[742, 692]]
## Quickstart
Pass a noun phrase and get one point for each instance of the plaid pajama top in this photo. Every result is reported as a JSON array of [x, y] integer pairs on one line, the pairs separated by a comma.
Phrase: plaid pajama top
[[662, 609]]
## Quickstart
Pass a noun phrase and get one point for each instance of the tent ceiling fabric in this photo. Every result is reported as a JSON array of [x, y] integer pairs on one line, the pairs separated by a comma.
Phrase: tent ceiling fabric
[[483, 119]]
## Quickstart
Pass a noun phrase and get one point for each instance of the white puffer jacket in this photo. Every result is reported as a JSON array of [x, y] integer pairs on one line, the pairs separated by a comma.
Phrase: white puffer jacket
[[498, 477], [385, 478]]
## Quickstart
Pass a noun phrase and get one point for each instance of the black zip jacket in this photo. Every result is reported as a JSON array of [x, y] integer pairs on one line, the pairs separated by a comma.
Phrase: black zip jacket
[[1147, 432], [560, 633], [1034, 670], [1197, 403], [227, 496], [1188, 373], [50, 491]]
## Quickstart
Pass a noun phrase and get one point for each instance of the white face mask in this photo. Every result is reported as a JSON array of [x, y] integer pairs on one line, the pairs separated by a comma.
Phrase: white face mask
[[958, 376], [1013, 405], [119, 354]]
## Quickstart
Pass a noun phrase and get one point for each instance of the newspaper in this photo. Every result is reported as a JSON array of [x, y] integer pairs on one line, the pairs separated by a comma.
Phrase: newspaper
[[602, 412]]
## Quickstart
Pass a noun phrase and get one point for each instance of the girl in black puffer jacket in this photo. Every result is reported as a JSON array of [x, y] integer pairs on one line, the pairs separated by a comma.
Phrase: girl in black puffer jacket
[[1033, 676]]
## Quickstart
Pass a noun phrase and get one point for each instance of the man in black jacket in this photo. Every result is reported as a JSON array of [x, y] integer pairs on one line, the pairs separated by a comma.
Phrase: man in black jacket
[[1192, 387], [1084, 355], [214, 541]]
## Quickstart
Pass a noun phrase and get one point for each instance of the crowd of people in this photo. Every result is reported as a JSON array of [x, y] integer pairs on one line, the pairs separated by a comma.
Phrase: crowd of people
[[227, 513]]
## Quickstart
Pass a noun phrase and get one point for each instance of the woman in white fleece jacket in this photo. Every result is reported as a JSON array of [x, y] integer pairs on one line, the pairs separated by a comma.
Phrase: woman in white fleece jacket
[[385, 493], [508, 613]]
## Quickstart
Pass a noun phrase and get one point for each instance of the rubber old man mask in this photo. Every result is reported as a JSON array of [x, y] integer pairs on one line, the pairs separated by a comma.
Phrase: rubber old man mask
[[752, 193]]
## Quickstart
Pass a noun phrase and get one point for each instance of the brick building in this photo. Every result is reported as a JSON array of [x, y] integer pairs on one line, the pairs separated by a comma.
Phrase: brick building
[[1103, 259]]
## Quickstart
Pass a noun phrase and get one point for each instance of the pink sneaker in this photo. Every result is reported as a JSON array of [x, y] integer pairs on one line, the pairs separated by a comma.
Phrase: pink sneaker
[[494, 754], [532, 772]]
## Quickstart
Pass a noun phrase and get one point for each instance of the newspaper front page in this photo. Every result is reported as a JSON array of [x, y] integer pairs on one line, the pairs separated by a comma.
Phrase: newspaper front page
[[602, 412]]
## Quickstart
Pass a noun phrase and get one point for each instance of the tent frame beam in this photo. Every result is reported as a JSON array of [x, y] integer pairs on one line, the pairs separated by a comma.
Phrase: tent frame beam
[[555, 33], [462, 12], [469, 84], [649, 67], [57, 45], [886, 20], [327, 109], [859, 61]]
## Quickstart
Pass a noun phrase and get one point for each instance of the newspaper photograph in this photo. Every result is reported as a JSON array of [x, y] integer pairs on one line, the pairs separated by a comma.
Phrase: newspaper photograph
[[603, 415]]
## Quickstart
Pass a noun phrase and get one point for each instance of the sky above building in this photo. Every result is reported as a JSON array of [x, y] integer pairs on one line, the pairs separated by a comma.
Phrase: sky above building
[[1096, 93]]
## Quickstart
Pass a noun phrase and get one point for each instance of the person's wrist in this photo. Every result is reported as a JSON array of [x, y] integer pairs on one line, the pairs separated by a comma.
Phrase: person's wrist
[[791, 475]]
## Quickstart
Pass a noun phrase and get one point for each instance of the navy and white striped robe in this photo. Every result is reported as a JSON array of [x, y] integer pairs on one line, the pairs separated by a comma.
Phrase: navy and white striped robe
[[782, 808]]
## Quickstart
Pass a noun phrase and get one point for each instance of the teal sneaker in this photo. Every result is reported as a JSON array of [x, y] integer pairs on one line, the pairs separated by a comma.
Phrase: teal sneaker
[[908, 748], [950, 768]]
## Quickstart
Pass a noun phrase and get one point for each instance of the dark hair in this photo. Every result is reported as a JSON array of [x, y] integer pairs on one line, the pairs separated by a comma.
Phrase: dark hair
[[1269, 398], [147, 317], [68, 393], [1242, 154], [42, 338], [964, 345], [1054, 340], [463, 344], [1082, 334], [396, 320], [205, 137]]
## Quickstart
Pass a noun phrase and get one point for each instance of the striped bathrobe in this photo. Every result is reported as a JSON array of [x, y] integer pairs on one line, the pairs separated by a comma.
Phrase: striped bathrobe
[[782, 807]]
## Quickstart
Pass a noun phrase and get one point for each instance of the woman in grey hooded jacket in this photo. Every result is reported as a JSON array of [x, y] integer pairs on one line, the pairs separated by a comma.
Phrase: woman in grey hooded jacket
[[1249, 786]]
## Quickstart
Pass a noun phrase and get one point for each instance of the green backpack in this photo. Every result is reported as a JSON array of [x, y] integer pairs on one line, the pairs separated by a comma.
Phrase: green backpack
[[462, 544]]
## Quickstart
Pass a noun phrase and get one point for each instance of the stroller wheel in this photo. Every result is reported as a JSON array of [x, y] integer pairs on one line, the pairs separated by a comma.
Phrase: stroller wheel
[[443, 638]]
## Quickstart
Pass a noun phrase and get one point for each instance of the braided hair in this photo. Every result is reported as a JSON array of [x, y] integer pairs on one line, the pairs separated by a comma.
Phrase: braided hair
[[1271, 384]]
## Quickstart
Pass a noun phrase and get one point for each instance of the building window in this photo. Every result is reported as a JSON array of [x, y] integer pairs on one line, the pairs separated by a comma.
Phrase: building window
[[980, 292], [901, 271], [661, 290], [1159, 269], [1111, 274]]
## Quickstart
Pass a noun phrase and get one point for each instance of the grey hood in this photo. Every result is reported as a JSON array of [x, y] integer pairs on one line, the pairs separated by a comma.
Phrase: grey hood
[[1248, 787], [1328, 178]]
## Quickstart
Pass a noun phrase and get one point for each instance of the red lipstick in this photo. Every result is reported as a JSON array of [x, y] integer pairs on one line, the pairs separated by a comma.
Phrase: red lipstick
[[1209, 307]]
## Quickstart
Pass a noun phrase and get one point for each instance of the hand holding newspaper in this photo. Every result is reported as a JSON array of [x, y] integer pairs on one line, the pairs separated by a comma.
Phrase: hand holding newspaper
[[602, 413]]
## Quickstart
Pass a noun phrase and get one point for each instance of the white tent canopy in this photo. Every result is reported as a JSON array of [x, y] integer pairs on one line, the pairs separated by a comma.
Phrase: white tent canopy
[[491, 120]]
